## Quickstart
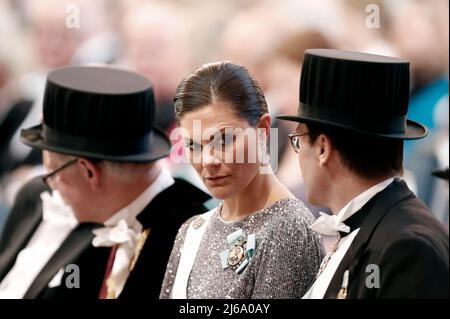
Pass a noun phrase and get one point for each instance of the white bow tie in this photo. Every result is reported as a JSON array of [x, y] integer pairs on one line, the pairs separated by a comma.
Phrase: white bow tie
[[118, 234], [329, 225]]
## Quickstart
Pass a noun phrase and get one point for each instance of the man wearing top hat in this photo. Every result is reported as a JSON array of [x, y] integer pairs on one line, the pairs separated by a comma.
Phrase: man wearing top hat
[[107, 228], [352, 124]]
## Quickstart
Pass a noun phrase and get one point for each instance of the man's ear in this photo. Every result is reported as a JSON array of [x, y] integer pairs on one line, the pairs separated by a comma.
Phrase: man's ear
[[324, 149], [90, 171]]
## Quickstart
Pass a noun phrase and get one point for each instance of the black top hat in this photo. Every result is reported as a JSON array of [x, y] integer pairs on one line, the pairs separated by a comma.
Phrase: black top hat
[[361, 92], [99, 112]]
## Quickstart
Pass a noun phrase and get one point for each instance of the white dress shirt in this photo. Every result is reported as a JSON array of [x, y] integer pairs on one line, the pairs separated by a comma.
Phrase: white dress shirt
[[124, 230], [320, 286], [58, 221]]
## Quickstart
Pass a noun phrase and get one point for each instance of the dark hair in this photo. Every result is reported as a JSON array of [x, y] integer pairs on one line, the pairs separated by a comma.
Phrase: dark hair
[[367, 156], [221, 81]]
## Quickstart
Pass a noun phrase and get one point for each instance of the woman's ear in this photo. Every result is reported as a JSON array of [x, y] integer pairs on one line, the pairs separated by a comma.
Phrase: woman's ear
[[90, 171], [263, 137], [264, 123]]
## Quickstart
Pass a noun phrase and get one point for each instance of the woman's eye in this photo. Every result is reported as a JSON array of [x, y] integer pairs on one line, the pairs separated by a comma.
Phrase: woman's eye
[[224, 141], [194, 147]]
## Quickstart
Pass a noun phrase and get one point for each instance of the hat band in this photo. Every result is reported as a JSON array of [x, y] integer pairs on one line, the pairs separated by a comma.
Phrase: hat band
[[108, 146], [364, 122]]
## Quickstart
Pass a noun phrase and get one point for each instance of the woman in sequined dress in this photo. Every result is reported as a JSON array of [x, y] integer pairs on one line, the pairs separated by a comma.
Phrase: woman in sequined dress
[[257, 243]]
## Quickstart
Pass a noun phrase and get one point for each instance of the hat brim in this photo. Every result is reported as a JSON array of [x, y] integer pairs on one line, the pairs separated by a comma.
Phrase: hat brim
[[414, 130], [444, 174], [159, 147]]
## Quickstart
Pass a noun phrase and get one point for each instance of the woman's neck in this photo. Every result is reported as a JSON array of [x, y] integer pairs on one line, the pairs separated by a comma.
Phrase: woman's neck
[[263, 190]]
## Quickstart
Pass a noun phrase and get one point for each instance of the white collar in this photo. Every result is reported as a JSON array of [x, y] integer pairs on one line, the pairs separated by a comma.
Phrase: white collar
[[359, 201], [129, 213]]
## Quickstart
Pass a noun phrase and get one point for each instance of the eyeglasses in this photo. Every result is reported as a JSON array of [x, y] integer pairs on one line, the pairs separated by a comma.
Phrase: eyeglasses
[[295, 140], [48, 176]]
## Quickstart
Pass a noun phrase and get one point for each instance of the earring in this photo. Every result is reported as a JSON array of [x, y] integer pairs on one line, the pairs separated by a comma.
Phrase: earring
[[262, 154]]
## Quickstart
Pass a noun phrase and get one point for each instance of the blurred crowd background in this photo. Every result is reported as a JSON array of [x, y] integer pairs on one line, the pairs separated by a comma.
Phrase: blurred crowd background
[[165, 40]]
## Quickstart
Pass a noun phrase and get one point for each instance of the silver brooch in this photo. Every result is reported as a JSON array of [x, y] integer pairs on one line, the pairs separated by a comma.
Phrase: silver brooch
[[240, 253]]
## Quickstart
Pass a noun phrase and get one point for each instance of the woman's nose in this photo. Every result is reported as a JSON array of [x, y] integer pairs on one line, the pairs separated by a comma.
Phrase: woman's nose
[[211, 156]]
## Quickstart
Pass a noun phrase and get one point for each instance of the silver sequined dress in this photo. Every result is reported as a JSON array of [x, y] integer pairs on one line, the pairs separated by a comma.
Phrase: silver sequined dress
[[287, 256]]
